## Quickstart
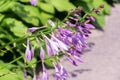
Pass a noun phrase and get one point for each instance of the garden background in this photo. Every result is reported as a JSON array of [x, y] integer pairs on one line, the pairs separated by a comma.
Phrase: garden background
[[18, 15]]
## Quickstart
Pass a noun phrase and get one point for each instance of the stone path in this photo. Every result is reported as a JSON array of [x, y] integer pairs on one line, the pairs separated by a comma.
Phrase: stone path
[[102, 62]]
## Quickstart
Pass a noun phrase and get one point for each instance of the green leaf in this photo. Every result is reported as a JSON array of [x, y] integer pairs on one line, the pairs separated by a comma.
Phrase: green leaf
[[100, 20], [29, 14], [6, 5], [87, 1], [48, 63], [24, 0], [45, 17], [62, 5], [46, 7], [16, 26], [3, 71], [33, 63], [1, 17], [106, 8], [86, 5], [10, 76]]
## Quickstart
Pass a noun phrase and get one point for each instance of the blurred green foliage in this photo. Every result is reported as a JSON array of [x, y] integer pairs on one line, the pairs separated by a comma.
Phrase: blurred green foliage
[[17, 15]]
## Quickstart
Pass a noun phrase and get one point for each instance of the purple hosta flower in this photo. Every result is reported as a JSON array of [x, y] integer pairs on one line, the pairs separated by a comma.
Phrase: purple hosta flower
[[72, 61], [51, 23], [25, 74], [64, 35], [44, 74], [29, 53], [73, 18], [78, 40], [89, 26], [61, 73], [86, 31], [42, 53], [52, 46], [70, 24], [78, 58], [49, 49], [62, 46], [96, 11], [33, 29], [73, 54], [33, 2], [92, 19]]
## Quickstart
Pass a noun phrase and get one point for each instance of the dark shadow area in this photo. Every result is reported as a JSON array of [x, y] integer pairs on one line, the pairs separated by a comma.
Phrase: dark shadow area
[[90, 46], [76, 72], [79, 71]]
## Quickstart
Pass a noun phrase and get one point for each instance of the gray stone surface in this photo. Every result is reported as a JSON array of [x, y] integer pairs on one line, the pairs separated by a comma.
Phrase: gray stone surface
[[102, 60]]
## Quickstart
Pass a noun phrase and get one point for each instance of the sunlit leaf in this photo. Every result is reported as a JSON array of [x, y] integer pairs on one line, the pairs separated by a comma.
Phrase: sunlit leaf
[[17, 27], [62, 5]]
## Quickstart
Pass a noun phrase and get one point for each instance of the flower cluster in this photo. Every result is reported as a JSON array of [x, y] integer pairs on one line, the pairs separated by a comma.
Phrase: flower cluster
[[69, 41]]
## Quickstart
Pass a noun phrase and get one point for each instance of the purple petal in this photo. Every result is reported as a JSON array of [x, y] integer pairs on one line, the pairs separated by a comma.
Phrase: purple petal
[[25, 74], [86, 31], [63, 47], [96, 11], [33, 29], [53, 45], [32, 52], [70, 24], [51, 23], [78, 58], [33, 2], [89, 26], [92, 19], [28, 52], [75, 19], [72, 61], [61, 73], [64, 73], [49, 50], [42, 53], [45, 75]]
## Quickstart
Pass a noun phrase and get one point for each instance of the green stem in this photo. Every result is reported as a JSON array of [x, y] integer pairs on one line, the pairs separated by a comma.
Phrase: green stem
[[11, 62]]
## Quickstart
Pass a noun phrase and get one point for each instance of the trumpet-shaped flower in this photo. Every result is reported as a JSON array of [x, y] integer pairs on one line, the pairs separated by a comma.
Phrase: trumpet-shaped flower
[[29, 53], [52, 46], [61, 73], [51, 23], [42, 53]]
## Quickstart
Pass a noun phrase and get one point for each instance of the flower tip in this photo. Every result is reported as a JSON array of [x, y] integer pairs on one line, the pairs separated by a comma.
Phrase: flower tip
[[33, 2]]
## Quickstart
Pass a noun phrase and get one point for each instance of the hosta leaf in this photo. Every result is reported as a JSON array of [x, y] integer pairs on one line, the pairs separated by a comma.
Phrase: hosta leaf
[[25, 0], [3, 70], [6, 5], [100, 20], [45, 17], [16, 26], [86, 5], [62, 5], [29, 14], [10, 76], [107, 8], [47, 7], [33, 62], [1, 17]]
